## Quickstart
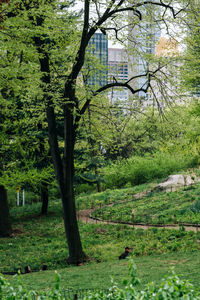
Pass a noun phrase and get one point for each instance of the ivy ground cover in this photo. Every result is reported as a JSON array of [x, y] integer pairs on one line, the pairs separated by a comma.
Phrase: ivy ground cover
[[182, 206]]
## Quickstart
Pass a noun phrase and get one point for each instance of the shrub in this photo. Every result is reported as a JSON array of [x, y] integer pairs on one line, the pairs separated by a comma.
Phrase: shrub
[[195, 208], [8, 292], [137, 170]]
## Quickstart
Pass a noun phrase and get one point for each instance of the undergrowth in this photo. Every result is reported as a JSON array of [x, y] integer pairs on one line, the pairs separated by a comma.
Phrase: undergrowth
[[39, 240], [177, 207]]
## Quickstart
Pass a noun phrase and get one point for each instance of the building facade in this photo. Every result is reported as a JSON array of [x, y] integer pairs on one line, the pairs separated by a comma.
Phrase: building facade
[[117, 71], [143, 38], [98, 67]]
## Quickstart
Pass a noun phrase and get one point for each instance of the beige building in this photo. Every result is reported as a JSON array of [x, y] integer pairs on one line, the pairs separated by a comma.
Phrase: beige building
[[166, 87], [167, 47]]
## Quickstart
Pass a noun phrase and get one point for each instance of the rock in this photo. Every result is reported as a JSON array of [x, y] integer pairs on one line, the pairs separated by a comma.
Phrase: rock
[[173, 182]]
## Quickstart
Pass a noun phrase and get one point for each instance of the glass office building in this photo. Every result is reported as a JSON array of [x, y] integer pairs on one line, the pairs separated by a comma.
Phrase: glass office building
[[98, 47]]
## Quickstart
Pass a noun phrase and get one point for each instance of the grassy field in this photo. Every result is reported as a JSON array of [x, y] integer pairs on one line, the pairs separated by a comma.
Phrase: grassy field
[[39, 240], [90, 276]]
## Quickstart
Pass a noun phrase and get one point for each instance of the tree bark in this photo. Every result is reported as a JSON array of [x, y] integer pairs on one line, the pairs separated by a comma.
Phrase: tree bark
[[5, 225], [64, 169], [44, 198], [76, 254], [99, 190]]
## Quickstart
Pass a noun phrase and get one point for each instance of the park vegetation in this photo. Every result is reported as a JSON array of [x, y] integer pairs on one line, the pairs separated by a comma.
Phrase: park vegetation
[[171, 287], [43, 50], [62, 140]]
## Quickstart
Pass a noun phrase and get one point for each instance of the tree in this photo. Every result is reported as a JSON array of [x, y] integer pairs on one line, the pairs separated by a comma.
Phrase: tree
[[191, 67], [5, 225], [109, 16], [73, 112], [23, 131], [5, 152]]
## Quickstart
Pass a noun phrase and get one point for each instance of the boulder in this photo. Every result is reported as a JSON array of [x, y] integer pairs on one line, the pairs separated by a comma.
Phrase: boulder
[[173, 182]]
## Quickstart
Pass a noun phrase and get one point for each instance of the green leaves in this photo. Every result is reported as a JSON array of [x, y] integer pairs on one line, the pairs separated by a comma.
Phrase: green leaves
[[137, 169], [24, 149]]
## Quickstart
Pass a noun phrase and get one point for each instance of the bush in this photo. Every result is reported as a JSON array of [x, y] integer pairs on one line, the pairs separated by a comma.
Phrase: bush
[[137, 170], [8, 292], [195, 208]]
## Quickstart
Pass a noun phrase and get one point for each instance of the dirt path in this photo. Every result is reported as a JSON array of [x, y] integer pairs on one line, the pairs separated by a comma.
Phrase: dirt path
[[85, 217]]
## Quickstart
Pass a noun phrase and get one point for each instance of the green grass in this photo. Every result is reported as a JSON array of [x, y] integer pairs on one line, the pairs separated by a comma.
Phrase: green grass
[[85, 201], [41, 240], [157, 208], [90, 276]]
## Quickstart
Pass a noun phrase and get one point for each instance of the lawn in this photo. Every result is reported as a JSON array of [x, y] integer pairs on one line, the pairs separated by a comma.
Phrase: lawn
[[39, 240], [98, 276]]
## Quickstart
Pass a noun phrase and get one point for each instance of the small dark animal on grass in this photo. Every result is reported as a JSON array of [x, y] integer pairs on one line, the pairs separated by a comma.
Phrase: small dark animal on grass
[[125, 253]]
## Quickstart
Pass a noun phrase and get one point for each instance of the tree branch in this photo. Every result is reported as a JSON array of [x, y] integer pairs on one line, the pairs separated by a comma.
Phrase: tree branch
[[109, 12]]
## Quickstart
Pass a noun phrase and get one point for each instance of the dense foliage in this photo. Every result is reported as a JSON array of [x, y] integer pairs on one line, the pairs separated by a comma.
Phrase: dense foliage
[[24, 135], [137, 170], [135, 148]]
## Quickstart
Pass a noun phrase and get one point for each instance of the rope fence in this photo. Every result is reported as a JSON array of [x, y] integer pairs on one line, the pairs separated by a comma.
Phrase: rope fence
[[74, 294], [145, 194]]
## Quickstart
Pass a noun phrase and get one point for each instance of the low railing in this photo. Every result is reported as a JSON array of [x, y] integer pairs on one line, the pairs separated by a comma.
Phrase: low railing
[[74, 294]]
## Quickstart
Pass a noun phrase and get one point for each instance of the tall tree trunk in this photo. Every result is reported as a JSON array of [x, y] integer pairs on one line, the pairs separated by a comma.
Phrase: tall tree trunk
[[76, 253], [64, 170], [44, 198], [5, 225]]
